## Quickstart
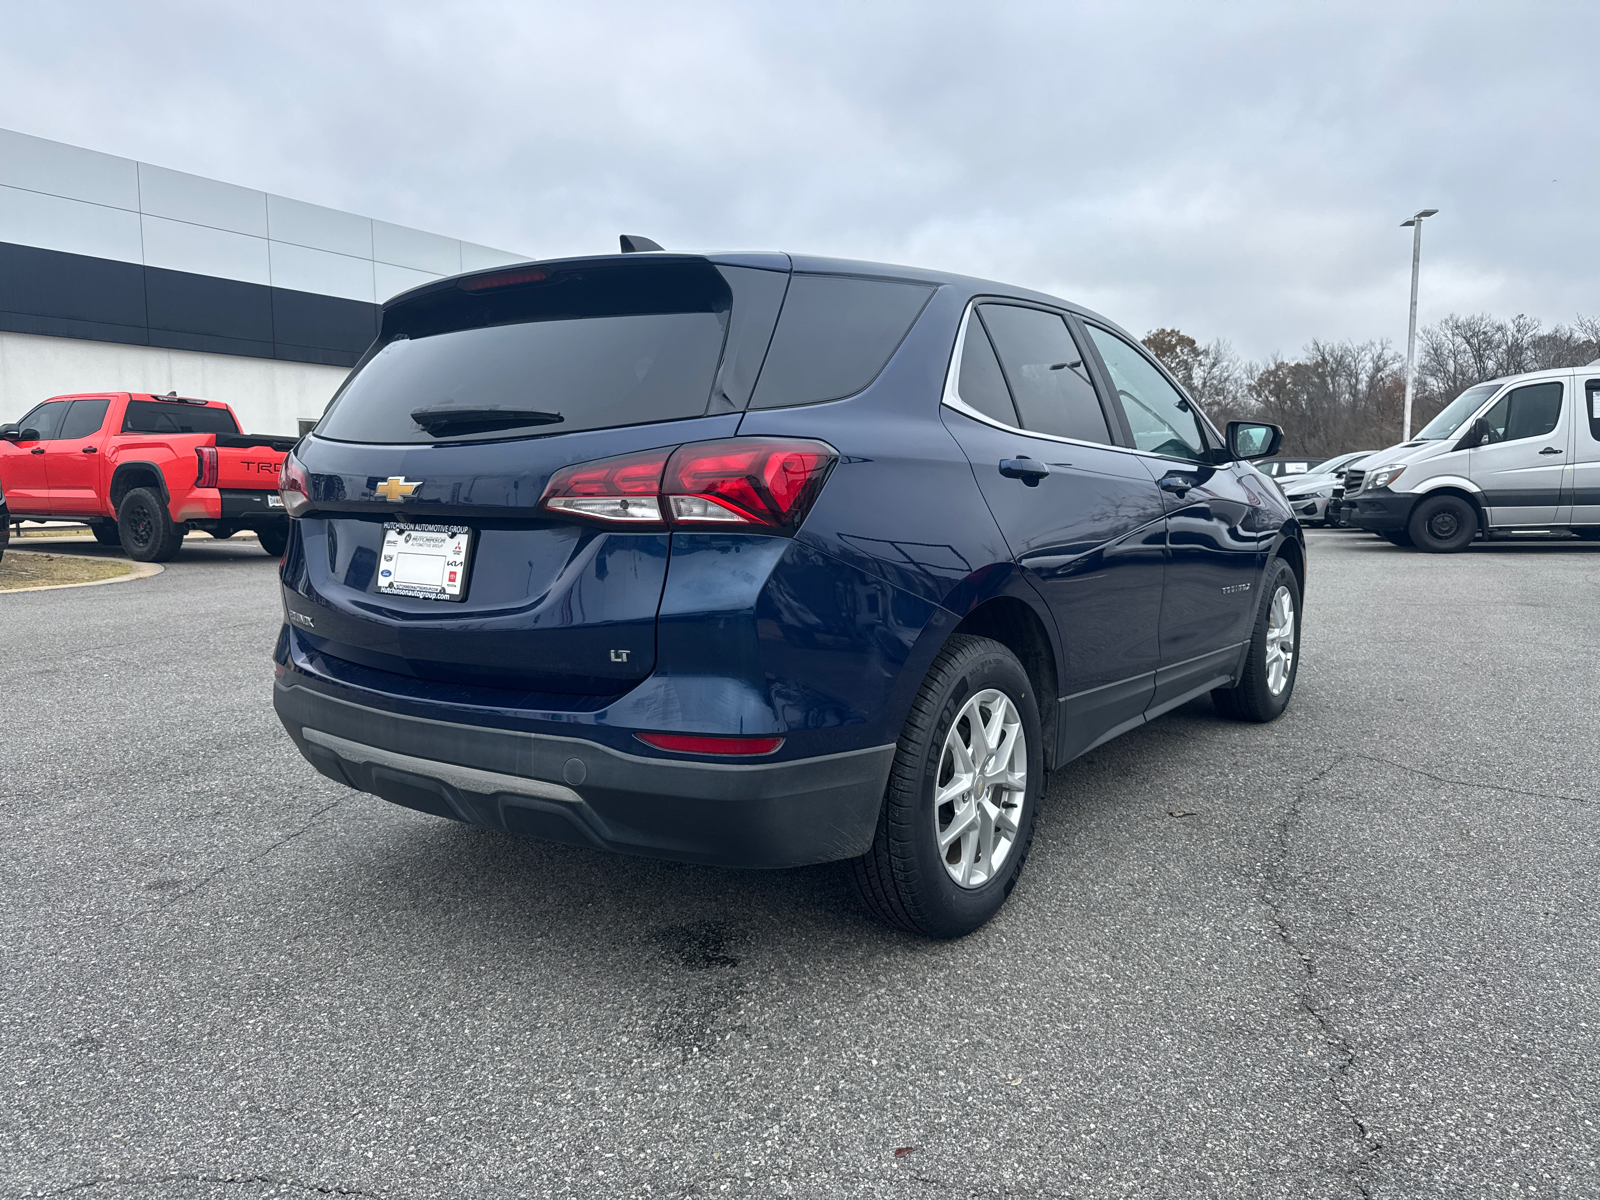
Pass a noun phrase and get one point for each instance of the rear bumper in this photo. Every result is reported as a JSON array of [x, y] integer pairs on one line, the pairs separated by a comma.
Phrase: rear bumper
[[565, 789], [249, 508], [1380, 511]]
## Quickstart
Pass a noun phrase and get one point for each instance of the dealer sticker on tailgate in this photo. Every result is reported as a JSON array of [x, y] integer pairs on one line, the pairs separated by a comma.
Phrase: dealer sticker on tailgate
[[426, 561]]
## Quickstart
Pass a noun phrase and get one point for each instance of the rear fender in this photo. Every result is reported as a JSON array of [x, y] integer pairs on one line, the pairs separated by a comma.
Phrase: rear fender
[[137, 473]]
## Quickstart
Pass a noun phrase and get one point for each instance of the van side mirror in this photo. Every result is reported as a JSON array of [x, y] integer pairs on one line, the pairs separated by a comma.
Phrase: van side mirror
[[1478, 434], [11, 432], [1253, 439]]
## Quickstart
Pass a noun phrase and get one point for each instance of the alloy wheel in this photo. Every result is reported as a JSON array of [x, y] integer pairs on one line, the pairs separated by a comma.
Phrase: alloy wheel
[[979, 788], [1280, 641]]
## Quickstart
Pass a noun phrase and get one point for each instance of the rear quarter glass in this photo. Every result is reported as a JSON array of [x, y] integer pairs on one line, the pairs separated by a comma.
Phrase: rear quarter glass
[[835, 334]]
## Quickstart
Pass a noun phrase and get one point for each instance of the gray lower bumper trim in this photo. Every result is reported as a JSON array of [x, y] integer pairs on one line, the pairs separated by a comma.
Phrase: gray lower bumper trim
[[760, 814], [467, 779]]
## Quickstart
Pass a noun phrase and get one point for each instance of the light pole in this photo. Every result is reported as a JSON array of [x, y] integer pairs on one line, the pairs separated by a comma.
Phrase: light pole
[[1415, 224]]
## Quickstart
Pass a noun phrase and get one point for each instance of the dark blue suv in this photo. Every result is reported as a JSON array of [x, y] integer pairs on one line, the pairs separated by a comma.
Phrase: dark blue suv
[[762, 560]]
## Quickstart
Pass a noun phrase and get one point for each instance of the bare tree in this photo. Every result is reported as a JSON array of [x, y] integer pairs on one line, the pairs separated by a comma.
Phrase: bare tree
[[1340, 396]]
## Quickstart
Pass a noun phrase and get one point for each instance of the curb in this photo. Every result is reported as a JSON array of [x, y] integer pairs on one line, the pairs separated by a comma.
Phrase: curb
[[139, 571]]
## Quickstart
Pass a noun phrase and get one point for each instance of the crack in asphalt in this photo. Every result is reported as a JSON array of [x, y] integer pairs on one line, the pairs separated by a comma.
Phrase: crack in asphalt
[[1492, 787], [1272, 887], [251, 861], [153, 1180]]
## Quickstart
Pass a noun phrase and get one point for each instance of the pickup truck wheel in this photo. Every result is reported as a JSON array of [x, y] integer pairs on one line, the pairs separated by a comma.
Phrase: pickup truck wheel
[[1263, 691], [958, 816], [1443, 525], [274, 538], [148, 533], [107, 533]]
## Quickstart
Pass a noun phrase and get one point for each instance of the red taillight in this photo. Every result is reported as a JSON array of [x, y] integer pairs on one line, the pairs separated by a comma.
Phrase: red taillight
[[293, 489], [623, 489], [746, 481], [206, 474], [762, 482], [698, 743]]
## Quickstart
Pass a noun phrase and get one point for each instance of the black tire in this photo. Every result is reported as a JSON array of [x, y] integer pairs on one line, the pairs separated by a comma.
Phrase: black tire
[[903, 879], [1397, 537], [147, 532], [274, 538], [107, 533], [1443, 524], [1252, 698]]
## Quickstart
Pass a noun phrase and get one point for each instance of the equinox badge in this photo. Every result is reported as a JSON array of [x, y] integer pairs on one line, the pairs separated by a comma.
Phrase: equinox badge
[[396, 488]]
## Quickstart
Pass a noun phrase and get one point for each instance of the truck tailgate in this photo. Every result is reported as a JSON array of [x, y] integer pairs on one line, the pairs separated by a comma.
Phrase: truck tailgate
[[250, 462]]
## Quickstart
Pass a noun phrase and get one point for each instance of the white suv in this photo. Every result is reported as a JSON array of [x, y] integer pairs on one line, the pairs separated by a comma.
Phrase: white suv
[[1510, 455]]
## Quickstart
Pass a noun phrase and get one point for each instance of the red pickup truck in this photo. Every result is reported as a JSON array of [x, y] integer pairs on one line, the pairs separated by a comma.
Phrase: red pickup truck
[[143, 469]]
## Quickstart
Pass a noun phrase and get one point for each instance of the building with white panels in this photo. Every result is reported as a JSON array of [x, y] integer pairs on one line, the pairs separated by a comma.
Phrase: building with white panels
[[117, 275]]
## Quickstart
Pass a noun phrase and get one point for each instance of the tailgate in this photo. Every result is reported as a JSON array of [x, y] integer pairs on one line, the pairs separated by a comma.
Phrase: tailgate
[[252, 465], [454, 426]]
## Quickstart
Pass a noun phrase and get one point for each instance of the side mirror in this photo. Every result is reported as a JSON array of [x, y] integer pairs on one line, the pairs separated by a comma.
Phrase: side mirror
[[1253, 439], [1478, 434], [11, 432]]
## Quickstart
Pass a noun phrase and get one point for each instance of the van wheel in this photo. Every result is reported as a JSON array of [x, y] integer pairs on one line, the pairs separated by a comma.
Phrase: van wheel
[[1263, 691], [958, 816], [274, 538], [1443, 525], [147, 532], [107, 533]]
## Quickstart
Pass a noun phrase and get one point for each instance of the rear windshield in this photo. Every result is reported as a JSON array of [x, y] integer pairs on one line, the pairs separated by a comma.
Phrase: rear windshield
[[592, 348], [170, 416]]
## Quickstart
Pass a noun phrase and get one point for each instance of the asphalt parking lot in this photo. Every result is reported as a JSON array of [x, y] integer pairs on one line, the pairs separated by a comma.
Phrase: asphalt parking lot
[[1364, 963]]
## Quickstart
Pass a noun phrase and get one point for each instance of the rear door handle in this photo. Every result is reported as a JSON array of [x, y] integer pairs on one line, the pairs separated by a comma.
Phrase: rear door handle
[[1029, 470], [1549, 450], [90, 450]]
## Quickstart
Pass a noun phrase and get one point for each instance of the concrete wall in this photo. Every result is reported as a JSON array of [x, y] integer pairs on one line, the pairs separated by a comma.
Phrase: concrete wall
[[269, 396]]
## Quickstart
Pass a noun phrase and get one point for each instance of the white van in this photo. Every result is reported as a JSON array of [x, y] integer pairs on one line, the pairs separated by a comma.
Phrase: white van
[[1503, 457]]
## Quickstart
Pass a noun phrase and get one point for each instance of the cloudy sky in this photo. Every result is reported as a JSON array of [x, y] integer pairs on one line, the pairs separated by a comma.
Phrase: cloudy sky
[[1236, 169]]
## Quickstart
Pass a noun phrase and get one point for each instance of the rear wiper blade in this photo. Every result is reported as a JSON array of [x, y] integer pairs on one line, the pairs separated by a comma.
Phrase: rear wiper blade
[[442, 422]]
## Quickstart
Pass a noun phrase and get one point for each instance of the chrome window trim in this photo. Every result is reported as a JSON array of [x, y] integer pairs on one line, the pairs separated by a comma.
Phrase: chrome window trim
[[952, 398]]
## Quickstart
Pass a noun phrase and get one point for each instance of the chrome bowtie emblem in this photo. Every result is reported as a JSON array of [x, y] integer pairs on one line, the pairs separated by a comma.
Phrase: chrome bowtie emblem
[[396, 488]]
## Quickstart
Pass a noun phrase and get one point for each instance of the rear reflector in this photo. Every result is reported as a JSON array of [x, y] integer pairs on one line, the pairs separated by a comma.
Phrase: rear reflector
[[206, 473], [767, 483], [694, 743]]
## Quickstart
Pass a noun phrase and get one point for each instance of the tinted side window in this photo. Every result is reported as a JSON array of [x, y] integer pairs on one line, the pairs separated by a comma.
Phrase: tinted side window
[[1534, 411], [1163, 421], [156, 416], [833, 337], [1045, 369], [981, 384], [1592, 400], [85, 418], [45, 419]]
